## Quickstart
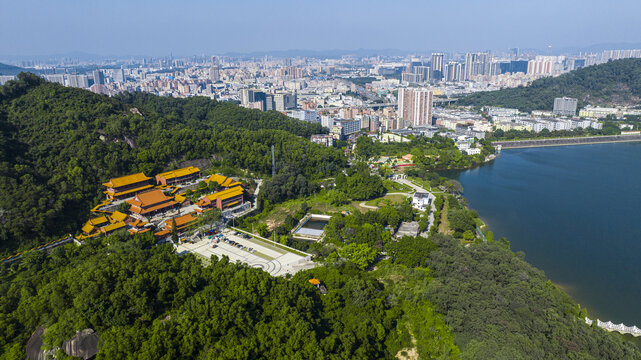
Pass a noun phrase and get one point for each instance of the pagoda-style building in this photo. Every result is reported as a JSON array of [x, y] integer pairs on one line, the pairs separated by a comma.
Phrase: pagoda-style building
[[151, 202], [127, 186], [223, 181], [178, 176], [223, 199]]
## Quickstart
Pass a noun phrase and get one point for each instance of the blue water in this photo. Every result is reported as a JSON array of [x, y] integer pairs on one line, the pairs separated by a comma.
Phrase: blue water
[[576, 213]]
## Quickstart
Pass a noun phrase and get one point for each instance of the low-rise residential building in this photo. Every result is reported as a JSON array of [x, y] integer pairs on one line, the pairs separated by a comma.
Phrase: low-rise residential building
[[421, 200], [178, 176], [323, 139], [127, 186], [408, 229]]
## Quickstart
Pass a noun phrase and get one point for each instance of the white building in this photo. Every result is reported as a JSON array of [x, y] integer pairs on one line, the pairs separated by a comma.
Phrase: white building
[[306, 115], [565, 106], [473, 151], [421, 200]]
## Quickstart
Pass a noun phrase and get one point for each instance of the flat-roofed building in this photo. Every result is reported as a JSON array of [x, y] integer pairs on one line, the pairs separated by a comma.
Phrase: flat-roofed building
[[127, 186], [178, 176], [223, 199], [151, 202]]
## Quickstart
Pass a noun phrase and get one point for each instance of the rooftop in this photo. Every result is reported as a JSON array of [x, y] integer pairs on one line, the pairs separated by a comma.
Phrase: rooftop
[[226, 194], [179, 172], [223, 181], [149, 198], [126, 180]]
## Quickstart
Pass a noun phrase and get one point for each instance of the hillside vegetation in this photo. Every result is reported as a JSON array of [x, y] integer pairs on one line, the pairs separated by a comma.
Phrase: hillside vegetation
[[428, 298], [615, 82], [59, 144]]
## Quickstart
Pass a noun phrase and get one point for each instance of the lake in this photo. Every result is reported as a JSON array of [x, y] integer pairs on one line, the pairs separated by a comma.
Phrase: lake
[[576, 213]]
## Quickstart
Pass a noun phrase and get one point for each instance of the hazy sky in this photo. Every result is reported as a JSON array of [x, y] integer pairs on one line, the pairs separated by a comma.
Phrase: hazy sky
[[184, 27]]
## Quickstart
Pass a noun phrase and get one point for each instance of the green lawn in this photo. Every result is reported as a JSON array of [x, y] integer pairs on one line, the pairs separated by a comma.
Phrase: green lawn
[[444, 226], [318, 205], [394, 199], [393, 186]]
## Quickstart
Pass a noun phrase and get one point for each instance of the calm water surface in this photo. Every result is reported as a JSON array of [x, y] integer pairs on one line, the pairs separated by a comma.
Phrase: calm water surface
[[576, 213]]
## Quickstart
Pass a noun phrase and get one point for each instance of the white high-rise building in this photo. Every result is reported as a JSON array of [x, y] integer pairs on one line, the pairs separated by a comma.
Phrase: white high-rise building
[[565, 106], [437, 66], [415, 106]]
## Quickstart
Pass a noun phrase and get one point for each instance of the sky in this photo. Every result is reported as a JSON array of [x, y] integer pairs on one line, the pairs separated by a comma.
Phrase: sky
[[189, 27]]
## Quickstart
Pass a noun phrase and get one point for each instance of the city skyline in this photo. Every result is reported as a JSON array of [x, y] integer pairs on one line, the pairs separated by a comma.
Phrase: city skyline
[[224, 27]]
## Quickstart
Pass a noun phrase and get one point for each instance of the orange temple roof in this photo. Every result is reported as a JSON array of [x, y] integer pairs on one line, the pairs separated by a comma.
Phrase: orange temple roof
[[126, 180]]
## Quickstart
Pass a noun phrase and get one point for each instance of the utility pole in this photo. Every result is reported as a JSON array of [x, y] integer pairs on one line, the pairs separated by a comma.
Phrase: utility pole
[[273, 163]]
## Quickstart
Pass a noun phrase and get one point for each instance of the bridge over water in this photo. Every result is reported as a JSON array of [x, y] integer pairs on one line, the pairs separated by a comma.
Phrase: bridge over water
[[620, 328]]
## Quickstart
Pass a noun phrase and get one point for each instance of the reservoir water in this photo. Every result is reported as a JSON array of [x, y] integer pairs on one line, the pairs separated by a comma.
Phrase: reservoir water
[[576, 213]]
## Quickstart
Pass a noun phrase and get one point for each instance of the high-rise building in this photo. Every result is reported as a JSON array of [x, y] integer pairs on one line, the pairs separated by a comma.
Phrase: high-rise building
[[514, 66], [284, 102], [565, 106], [78, 81], [437, 66], [214, 70], [424, 71], [119, 75], [477, 64], [415, 106], [98, 77], [452, 71], [57, 78], [246, 96]]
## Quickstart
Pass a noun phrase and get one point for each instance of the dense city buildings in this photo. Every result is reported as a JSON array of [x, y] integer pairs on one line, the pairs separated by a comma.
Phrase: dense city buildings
[[346, 95]]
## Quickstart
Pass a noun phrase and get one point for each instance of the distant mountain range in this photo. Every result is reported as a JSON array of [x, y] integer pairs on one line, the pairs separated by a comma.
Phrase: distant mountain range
[[10, 69], [617, 82]]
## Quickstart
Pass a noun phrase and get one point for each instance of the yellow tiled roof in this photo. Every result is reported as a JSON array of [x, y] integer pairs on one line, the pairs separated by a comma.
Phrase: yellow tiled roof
[[88, 228], [129, 191], [112, 227], [126, 180], [223, 181], [98, 220], [118, 216], [179, 172], [226, 194]]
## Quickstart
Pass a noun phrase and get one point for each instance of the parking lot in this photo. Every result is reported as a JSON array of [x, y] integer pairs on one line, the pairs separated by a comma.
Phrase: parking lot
[[262, 255]]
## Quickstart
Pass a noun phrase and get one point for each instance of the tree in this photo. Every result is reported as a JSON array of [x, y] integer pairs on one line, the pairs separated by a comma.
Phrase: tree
[[213, 186], [263, 230], [174, 231], [361, 255]]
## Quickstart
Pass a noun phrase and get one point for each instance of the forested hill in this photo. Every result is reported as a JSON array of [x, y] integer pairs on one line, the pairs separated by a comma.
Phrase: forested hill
[[615, 82], [59, 144]]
